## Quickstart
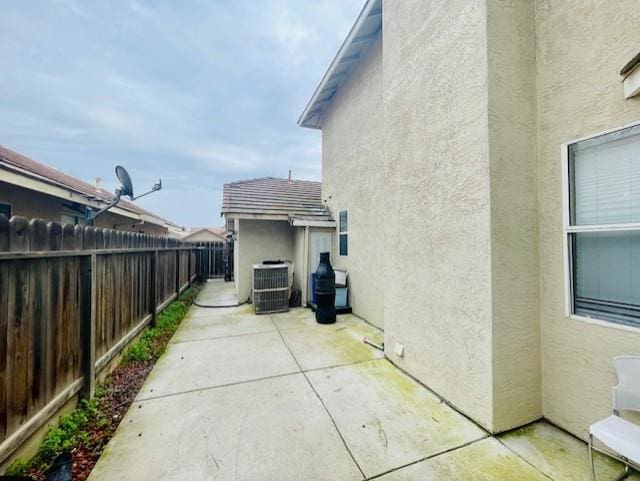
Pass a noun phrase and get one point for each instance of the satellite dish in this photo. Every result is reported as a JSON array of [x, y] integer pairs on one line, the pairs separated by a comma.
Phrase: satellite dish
[[125, 181]]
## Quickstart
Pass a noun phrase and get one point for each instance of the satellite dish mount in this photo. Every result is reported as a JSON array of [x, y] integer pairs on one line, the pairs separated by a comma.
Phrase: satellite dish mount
[[125, 189]]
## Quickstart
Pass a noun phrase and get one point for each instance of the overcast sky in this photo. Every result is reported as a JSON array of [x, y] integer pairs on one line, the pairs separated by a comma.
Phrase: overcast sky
[[197, 92]]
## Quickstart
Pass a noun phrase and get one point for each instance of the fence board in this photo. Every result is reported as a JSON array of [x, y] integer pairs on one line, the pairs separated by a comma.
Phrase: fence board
[[55, 325], [4, 321], [18, 333], [71, 298], [38, 316]]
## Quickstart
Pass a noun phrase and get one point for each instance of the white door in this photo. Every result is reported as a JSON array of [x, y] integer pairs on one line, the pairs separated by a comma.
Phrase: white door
[[319, 241]]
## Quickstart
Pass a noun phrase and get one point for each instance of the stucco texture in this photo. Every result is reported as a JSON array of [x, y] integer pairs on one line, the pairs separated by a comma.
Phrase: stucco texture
[[437, 198], [259, 240], [353, 178], [514, 236], [478, 97], [580, 49]]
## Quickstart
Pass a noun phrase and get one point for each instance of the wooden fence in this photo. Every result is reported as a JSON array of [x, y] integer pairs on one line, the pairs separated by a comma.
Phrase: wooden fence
[[215, 256], [71, 298]]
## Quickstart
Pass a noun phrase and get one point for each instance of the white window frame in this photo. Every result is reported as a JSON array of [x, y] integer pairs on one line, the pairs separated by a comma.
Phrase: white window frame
[[568, 229], [341, 232]]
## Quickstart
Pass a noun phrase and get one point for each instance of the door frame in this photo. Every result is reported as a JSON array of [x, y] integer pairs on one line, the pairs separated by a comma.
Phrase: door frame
[[308, 267]]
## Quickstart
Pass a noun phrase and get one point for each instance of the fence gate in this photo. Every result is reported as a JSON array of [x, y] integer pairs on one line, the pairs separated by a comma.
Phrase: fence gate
[[218, 259]]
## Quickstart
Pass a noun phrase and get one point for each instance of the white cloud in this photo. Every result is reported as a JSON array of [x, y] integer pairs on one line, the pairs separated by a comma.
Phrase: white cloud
[[227, 157], [198, 94], [290, 31], [113, 120]]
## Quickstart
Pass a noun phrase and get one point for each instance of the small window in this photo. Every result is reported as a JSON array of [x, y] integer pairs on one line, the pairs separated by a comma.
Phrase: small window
[[5, 209], [73, 219], [343, 231], [603, 226]]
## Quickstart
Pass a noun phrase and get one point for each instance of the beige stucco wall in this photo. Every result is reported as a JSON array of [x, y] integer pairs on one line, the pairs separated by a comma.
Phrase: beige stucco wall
[[477, 98], [514, 236], [259, 240], [437, 198], [353, 178], [581, 47]]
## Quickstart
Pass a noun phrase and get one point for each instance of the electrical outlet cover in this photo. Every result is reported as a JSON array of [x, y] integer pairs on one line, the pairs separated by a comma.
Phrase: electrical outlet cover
[[399, 349]]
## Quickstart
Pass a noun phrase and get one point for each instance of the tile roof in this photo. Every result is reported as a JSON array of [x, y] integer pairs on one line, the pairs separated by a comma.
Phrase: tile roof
[[299, 199], [26, 165], [215, 230]]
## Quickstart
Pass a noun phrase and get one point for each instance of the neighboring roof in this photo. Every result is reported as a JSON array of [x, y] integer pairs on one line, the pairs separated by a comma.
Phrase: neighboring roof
[[26, 166], [366, 28], [215, 231], [275, 198]]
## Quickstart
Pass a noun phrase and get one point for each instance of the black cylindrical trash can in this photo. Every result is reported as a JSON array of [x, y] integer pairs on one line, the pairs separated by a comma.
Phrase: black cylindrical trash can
[[325, 291]]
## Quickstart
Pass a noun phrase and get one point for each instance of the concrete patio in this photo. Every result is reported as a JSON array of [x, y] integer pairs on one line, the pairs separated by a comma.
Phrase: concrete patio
[[259, 398]]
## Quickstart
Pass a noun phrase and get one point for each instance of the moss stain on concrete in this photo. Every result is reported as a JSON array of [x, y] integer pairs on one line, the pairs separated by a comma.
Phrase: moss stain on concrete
[[558, 454], [345, 343], [484, 460], [411, 395]]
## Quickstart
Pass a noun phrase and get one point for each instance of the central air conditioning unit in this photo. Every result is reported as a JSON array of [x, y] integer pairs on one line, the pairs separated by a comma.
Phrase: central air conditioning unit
[[270, 288]]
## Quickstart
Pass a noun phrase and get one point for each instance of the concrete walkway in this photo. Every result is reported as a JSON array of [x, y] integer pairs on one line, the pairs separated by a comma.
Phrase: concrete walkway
[[280, 398]]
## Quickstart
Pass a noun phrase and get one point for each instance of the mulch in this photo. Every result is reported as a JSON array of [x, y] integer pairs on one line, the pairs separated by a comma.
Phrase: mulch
[[121, 388]]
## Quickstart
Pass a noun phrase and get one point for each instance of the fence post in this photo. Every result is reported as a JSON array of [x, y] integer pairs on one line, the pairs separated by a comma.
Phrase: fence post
[[177, 272], [88, 268], [200, 263], [189, 252], [153, 282]]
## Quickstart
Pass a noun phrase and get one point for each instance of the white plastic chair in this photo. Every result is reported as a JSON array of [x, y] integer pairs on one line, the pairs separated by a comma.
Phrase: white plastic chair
[[618, 434]]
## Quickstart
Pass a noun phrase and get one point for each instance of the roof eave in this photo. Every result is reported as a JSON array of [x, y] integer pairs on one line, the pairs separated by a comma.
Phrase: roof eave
[[73, 194], [311, 116]]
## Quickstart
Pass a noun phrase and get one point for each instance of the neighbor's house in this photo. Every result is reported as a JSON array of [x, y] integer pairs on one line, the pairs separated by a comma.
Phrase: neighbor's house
[[34, 190], [205, 234], [276, 219], [473, 134]]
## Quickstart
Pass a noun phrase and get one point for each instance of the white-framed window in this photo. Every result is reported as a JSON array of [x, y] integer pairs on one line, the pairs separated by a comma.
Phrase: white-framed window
[[343, 232], [601, 177]]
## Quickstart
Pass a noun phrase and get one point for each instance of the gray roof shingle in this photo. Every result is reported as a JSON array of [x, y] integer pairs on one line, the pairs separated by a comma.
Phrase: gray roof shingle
[[292, 199]]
